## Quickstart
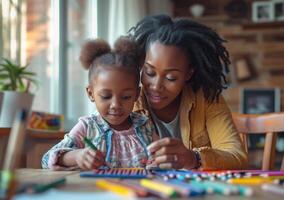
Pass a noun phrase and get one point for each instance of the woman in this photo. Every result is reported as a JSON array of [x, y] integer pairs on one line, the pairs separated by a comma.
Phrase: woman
[[183, 77]]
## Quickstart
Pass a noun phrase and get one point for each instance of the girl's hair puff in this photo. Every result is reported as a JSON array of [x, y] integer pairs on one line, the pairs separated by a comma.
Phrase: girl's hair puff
[[98, 54], [91, 50]]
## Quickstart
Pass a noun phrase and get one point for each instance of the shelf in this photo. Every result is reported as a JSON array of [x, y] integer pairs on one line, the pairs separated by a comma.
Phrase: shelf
[[263, 25], [33, 133]]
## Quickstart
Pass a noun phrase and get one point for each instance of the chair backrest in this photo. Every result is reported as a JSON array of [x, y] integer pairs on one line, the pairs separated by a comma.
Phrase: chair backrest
[[269, 124]]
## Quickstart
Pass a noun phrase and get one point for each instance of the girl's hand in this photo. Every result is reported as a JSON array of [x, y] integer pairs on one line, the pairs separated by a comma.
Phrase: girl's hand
[[170, 153], [88, 159]]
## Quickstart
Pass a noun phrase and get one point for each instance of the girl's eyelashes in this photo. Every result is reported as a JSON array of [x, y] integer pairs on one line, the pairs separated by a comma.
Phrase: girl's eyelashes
[[126, 97], [105, 97]]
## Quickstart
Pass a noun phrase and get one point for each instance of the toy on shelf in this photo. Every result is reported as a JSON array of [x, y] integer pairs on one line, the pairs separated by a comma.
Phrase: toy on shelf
[[46, 121]]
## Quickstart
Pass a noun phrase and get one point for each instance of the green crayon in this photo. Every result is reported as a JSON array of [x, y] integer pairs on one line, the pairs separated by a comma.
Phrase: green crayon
[[90, 144], [43, 187]]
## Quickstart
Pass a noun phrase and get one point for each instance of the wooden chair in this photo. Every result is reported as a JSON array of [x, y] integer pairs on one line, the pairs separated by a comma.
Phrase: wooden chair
[[270, 124]]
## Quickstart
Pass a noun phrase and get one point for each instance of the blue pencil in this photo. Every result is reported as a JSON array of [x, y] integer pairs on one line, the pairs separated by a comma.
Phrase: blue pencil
[[191, 189]]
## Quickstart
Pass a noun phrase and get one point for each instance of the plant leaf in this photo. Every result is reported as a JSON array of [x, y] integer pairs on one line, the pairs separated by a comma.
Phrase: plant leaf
[[12, 76], [21, 86], [29, 73], [4, 76]]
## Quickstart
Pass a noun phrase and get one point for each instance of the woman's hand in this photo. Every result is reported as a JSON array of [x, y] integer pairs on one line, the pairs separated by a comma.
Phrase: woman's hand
[[170, 153], [88, 159]]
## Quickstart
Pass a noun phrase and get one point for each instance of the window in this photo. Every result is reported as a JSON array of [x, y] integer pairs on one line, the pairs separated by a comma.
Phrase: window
[[55, 32]]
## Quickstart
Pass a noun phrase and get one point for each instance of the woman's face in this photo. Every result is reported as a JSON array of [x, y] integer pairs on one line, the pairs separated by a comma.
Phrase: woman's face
[[164, 74]]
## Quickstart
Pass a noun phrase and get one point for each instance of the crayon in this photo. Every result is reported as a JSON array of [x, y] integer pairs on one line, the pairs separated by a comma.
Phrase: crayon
[[133, 173], [250, 181], [198, 184], [43, 187], [245, 191], [273, 188], [268, 173], [221, 188], [159, 187], [139, 190], [90, 144], [186, 188], [115, 188]]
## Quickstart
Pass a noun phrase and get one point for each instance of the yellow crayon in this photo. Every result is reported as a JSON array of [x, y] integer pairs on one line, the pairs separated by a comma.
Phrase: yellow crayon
[[159, 187], [250, 180], [272, 177], [115, 188]]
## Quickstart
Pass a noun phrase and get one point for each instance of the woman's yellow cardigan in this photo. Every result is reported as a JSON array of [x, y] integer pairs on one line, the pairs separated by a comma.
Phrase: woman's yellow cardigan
[[208, 128]]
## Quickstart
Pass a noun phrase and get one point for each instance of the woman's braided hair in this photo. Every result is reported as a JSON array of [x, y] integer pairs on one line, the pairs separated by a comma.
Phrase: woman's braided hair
[[204, 47]]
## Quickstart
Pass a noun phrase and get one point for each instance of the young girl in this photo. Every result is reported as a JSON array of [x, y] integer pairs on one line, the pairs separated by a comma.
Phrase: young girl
[[120, 135], [183, 77]]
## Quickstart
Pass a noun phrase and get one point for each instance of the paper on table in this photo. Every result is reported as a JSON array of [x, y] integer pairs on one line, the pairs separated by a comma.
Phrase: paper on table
[[59, 194]]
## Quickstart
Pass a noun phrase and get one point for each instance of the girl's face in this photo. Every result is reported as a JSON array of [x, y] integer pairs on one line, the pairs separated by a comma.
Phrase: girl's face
[[114, 92], [164, 74]]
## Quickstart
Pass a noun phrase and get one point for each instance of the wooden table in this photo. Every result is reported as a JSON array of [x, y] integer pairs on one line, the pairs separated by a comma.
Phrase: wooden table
[[75, 183]]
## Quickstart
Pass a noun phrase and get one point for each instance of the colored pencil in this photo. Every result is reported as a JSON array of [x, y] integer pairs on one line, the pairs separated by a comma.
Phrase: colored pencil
[[139, 190], [90, 144], [273, 188], [115, 188], [186, 189], [250, 181], [159, 187], [245, 191], [149, 190], [221, 188], [43, 187], [198, 184]]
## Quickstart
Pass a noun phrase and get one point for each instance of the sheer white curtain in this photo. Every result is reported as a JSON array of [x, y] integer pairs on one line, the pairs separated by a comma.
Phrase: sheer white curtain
[[115, 17], [123, 14], [12, 27]]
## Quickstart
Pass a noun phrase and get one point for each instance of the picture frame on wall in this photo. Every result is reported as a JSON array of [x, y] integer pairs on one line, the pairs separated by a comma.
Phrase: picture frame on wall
[[243, 68], [278, 10], [263, 11], [260, 100]]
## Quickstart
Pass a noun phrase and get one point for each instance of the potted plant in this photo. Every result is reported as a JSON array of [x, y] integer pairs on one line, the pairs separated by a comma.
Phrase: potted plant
[[15, 81]]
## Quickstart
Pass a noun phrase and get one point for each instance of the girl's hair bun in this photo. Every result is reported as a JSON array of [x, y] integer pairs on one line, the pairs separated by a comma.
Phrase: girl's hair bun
[[91, 50], [126, 45]]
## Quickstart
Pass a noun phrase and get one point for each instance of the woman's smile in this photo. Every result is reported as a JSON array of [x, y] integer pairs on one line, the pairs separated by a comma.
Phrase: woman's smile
[[154, 97]]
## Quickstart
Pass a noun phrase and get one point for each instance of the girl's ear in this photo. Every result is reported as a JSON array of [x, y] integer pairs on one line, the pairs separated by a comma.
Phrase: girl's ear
[[90, 93], [138, 93]]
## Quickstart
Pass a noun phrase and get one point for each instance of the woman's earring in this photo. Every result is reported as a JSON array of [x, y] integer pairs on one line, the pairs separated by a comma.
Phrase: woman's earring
[[190, 74]]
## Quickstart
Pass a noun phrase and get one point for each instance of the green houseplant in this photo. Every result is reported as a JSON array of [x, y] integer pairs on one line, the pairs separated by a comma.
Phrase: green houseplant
[[15, 77], [15, 81]]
